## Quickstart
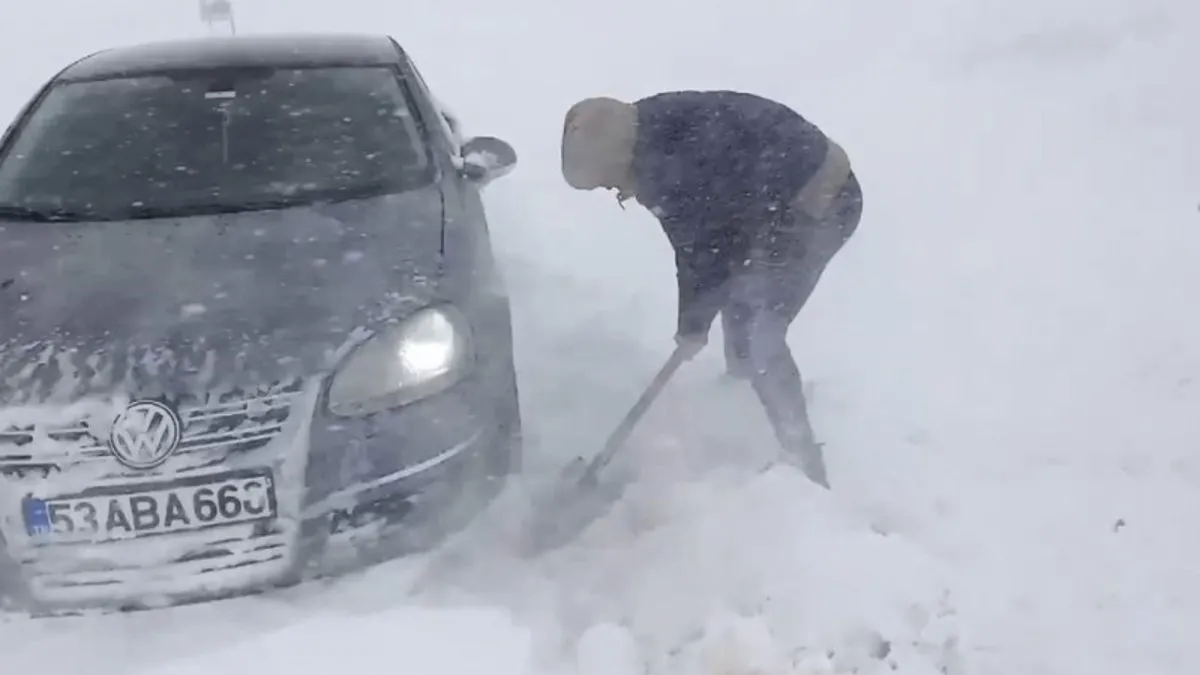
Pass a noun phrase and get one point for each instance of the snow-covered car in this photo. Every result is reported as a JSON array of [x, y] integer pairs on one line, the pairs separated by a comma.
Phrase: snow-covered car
[[251, 326]]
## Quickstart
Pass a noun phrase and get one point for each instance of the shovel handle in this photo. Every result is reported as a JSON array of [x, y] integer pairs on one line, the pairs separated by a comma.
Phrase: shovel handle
[[619, 435]]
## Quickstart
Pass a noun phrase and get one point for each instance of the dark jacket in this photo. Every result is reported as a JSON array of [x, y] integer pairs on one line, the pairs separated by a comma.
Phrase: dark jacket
[[717, 168]]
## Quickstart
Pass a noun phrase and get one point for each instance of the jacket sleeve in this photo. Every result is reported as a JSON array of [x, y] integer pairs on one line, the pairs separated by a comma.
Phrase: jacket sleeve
[[702, 271]]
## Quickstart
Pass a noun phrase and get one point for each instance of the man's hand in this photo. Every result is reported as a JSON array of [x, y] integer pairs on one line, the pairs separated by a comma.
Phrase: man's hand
[[691, 345]]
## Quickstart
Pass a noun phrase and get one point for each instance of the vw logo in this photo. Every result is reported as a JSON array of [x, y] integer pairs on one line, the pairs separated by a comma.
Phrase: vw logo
[[145, 434]]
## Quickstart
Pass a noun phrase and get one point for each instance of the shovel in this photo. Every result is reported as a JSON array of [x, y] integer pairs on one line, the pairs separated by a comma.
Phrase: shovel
[[580, 497]]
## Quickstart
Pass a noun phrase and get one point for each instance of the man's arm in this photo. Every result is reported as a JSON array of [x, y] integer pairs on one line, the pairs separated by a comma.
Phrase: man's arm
[[702, 272]]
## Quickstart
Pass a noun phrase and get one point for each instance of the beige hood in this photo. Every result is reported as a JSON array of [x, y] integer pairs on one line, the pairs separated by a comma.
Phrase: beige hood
[[599, 135]]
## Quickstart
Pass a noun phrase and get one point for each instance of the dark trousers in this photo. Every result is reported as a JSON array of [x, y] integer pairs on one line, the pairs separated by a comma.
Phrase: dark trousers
[[764, 299]]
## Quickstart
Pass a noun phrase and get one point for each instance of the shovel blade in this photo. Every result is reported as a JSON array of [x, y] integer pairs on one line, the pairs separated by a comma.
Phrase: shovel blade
[[576, 501], [573, 473]]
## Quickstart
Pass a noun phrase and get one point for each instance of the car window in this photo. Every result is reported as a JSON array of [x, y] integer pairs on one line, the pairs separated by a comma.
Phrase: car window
[[214, 141]]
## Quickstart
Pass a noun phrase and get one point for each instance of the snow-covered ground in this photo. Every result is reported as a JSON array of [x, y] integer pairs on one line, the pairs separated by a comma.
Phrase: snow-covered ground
[[1004, 360]]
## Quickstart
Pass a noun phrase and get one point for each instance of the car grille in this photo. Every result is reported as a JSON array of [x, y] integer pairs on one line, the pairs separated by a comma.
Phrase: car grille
[[234, 429], [236, 422]]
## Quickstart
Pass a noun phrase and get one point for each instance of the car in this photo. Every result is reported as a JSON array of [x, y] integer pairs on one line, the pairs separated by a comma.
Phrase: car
[[252, 328]]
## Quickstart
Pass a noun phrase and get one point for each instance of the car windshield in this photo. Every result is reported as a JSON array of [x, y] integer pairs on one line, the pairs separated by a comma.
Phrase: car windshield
[[212, 142]]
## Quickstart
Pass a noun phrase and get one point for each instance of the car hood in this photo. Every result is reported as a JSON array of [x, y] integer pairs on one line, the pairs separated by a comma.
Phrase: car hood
[[155, 307]]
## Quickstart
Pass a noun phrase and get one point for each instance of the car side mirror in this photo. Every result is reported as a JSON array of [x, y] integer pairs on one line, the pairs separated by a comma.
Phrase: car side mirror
[[485, 158]]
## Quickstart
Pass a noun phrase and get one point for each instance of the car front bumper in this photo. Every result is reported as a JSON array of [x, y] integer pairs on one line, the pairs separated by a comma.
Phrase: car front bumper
[[347, 491]]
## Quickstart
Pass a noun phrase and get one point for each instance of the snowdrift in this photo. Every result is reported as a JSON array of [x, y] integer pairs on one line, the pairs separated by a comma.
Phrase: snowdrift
[[751, 573]]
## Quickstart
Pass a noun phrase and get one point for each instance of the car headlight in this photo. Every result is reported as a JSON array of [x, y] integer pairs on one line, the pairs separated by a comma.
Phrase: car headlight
[[421, 356]]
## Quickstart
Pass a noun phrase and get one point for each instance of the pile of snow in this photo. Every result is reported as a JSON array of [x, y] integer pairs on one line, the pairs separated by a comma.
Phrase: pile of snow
[[750, 573], [740, 571]]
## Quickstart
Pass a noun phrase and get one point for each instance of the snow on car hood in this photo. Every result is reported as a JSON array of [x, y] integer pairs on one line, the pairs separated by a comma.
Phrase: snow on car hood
[[199, 302]]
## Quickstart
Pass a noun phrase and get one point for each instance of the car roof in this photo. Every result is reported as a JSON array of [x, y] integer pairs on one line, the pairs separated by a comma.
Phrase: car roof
[[320, 49]]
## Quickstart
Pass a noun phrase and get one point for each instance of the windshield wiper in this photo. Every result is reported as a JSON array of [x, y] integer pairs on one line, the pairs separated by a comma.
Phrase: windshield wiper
[[209, 209], [14, 212], [298, 200]]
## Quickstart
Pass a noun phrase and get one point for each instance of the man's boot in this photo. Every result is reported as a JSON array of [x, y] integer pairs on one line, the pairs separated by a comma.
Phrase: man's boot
[[804, 452], [781, 393]]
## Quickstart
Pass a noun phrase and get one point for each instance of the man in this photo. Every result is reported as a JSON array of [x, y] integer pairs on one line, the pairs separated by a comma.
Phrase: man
[[755, 201]]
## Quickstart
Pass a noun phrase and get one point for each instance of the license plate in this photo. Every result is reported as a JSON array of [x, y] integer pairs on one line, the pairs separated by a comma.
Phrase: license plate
[[124, 512]]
